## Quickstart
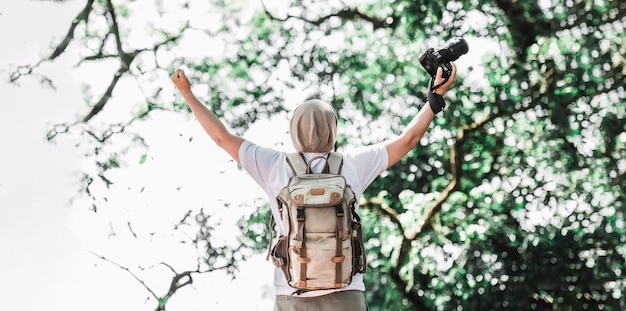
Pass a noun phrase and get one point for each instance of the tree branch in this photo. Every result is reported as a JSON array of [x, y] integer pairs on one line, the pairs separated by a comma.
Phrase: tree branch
[[346, 13], [379, 205], [179, 280], [83, 16], [130, 272]]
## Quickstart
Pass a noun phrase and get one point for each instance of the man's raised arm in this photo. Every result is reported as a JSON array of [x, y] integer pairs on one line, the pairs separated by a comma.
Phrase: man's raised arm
[[399, 146], [209, 121]]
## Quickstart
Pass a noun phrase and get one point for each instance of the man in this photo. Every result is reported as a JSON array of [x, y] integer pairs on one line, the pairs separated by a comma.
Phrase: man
[[313, 130]]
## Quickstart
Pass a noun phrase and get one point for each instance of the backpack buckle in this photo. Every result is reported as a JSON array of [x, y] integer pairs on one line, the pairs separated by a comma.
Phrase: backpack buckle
[[300, 215], [339, 210]]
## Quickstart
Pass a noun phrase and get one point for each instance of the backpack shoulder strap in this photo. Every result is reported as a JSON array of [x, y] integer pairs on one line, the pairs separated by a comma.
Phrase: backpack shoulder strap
[[297, 163], [335, 160]]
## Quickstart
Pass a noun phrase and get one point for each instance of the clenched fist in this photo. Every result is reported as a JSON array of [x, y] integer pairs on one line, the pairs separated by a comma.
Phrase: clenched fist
[[180, 80]]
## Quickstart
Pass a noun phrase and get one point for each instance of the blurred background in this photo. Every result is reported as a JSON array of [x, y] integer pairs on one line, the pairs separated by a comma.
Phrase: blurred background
[[112, 196]]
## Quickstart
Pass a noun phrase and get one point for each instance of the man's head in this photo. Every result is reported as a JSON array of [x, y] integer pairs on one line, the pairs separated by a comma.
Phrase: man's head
[[313, 127]]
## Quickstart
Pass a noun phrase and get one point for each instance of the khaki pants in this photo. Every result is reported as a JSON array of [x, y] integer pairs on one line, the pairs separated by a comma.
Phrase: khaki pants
[[349, 300]]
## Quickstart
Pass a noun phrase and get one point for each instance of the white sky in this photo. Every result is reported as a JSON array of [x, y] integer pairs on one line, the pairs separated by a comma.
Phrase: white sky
[[46, 242]]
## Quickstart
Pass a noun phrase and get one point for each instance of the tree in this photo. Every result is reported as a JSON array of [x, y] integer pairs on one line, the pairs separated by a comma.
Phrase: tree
[[515, 198]]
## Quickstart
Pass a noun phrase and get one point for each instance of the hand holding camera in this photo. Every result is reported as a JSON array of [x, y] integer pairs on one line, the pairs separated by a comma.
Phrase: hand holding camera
[[432, 59], [439, 65]]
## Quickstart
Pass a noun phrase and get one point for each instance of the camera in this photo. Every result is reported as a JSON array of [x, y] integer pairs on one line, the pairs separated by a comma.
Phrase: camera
[[442, 56]]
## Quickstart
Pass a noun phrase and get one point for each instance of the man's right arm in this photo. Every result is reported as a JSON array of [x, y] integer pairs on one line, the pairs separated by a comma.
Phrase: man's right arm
[[209, 121]]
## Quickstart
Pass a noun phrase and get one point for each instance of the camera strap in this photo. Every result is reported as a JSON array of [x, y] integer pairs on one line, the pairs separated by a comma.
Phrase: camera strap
[[445, 79]]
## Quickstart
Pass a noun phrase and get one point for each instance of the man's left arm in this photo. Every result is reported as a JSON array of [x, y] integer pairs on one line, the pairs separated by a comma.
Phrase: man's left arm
[[399, 146]]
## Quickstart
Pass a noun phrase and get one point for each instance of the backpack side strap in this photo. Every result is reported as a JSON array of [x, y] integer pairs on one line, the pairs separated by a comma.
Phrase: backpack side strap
[[269, 246]]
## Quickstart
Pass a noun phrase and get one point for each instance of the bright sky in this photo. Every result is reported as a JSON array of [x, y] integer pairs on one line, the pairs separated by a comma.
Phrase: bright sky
[[47, 242]]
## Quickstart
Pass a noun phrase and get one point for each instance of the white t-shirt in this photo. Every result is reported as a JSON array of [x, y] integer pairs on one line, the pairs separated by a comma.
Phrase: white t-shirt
[[269, 168]]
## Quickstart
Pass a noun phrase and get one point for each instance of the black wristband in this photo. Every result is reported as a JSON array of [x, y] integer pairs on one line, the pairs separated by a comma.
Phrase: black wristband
[[435, 101]]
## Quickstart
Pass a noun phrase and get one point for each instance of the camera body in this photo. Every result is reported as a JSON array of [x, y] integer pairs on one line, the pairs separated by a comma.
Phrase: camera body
[[432, 58]]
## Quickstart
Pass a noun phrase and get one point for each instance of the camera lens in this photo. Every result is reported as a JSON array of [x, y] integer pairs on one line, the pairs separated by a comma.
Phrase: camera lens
[[454, 49]]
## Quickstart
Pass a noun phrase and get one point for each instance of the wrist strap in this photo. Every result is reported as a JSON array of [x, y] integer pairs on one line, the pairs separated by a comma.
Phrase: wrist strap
[[435, 100]]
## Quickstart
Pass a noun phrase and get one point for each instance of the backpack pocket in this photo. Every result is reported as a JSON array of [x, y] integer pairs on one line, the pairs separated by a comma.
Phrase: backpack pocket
[[280, 256], [318, 264]]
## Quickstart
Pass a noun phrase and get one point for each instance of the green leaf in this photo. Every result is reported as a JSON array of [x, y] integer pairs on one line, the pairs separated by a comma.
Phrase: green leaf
[[143, 158]]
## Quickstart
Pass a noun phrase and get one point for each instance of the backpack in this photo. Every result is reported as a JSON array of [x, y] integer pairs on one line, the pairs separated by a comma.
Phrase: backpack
[[323, 245]]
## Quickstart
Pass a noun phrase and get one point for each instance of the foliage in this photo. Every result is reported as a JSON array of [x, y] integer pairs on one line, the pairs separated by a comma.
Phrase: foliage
[[515, 197]]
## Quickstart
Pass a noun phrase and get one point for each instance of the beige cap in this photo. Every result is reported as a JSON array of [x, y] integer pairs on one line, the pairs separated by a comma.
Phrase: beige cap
[[313, 127]]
